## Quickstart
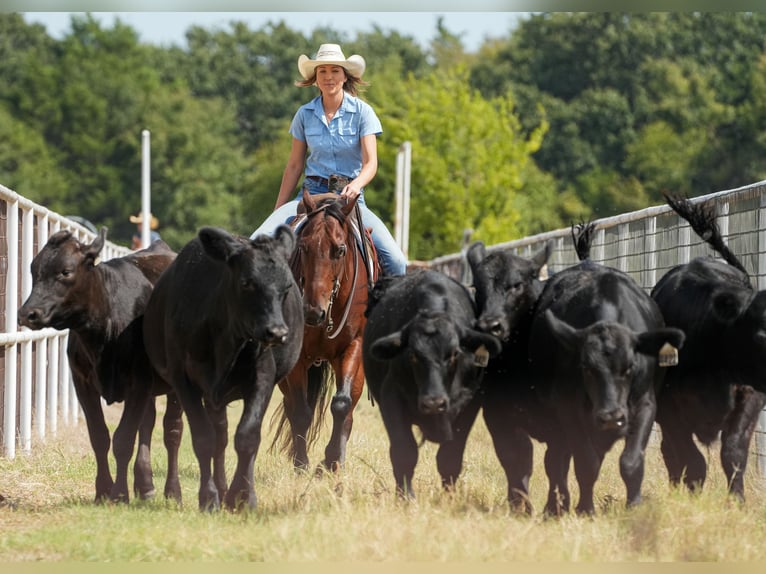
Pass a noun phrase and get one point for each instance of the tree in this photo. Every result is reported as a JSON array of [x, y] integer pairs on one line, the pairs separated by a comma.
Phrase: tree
[[468, 158]]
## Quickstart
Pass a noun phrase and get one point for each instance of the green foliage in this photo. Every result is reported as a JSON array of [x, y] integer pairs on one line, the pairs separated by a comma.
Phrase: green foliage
[[467, 159], [572, 115]]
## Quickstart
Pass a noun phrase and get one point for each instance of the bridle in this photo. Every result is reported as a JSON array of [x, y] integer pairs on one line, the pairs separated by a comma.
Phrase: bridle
[[336, 281]]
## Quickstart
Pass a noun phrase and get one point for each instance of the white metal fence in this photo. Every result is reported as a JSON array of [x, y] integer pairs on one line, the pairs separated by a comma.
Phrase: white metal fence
[[37, 390], [647, 243]]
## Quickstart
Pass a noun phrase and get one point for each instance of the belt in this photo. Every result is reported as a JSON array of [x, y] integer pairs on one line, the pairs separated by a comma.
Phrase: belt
[[322, 180], [333, 183]]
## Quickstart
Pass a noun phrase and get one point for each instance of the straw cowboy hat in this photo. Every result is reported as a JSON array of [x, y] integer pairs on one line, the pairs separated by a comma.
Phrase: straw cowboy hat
[[331, 55], [154, 223]]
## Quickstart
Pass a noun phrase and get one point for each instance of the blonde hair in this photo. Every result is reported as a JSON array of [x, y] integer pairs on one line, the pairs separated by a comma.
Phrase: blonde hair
[[352, 84]]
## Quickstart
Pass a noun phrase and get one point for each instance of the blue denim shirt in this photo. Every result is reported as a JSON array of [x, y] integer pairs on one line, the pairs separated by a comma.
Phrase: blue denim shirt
[[335, 148]]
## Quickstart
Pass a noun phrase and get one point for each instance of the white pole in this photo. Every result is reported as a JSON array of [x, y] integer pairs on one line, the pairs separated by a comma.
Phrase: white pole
[[11, 300], [41, 355], [407, 148], [145, 189], [25, 402]]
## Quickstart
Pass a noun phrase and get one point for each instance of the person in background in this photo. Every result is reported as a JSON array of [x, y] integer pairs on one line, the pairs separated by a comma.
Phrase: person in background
[[154, 235], [339, 131]]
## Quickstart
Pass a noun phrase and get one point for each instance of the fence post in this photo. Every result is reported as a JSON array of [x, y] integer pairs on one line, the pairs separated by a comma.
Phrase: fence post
[[11, 297]]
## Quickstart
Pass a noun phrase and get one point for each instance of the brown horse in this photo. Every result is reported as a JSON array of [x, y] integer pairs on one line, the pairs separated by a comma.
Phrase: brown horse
[[334, 276]]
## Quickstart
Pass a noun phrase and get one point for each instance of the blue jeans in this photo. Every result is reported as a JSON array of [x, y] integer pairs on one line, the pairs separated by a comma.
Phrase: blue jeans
[[391, 258]]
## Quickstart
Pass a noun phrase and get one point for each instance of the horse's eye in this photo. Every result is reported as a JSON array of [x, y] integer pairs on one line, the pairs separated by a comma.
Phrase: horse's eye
[[342, 250]]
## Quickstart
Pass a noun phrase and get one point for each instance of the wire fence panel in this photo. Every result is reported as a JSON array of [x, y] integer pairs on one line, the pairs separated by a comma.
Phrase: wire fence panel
[[647, 243]]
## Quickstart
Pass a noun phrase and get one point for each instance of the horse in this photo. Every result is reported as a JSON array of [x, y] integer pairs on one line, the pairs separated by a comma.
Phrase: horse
[[335, 266]]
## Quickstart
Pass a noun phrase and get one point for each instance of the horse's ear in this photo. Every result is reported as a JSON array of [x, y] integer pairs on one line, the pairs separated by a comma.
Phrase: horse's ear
[[308, 202], [349, 206]]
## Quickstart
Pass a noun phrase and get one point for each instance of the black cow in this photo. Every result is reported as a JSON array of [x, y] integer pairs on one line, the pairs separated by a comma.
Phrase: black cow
[[719, 383], [225, 322], [101, 305], [423, 362], [594, 349], [507, 288]]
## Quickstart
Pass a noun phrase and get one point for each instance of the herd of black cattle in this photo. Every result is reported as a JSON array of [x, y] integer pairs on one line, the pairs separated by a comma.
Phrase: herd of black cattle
[[577, 361]]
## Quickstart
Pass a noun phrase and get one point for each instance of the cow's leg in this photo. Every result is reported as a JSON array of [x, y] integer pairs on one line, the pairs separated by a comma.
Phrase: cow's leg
[[203, 440], [513, 448], [449, 456], [247, 440], [217, 416], [587, 464], [736, 434], [556, 460], [632, 457], [403, 449], [350, 382], [143, 481], [298, 413], [682, 457], [135, 408], [90, 401], [173, 426]]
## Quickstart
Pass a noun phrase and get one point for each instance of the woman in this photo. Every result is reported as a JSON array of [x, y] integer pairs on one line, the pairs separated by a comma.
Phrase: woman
[[339, 131]]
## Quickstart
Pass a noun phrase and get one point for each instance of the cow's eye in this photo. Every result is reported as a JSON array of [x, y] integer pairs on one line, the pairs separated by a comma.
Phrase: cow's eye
[[66, 273], [627, 372]]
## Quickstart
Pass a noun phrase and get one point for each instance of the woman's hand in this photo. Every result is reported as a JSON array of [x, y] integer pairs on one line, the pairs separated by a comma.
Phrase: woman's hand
[[351, 191]]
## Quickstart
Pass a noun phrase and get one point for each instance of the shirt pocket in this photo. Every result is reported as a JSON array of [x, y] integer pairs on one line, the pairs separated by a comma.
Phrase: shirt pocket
[[316, 137]]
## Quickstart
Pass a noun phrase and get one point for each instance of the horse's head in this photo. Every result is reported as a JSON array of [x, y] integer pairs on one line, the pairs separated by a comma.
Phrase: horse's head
[[326, 253]]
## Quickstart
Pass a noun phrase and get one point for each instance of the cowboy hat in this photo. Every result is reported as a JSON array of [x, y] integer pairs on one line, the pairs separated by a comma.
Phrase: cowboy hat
[[154, 223], [331, 55]]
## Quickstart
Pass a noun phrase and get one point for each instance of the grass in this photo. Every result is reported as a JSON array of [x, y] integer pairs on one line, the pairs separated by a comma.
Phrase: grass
[[49, 514]]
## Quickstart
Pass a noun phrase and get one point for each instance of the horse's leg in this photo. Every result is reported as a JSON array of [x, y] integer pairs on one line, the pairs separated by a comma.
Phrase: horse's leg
[[173, 426], [349, 375], [298, 413]]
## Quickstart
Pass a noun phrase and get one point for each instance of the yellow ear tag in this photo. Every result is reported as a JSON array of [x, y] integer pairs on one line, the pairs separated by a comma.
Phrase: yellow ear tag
[[668, 356], [481, 357]]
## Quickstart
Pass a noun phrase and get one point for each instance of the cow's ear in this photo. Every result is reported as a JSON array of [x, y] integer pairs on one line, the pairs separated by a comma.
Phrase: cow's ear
[[541, 257], [285, 240], [476, 254], [388, 347], [219, 244], [651, 342], [472, 340], [563, 331], [92, 250], [727, 306]]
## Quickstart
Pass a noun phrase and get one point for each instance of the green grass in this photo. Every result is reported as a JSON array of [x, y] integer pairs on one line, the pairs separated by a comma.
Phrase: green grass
[[355, 516]]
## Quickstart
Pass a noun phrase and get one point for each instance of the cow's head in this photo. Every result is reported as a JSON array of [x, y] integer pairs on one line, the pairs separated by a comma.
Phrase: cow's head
[[441, 355], [507, 287], [614, 362], [258, 281], [61, 284]]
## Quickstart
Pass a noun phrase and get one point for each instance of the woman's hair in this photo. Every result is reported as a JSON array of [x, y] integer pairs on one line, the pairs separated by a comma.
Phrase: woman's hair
[[351, 85]]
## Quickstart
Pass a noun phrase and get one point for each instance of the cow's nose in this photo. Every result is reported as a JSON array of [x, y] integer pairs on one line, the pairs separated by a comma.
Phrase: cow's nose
[[29, 318], [276, 335], [611, 420], [433, 405], [493, 326]]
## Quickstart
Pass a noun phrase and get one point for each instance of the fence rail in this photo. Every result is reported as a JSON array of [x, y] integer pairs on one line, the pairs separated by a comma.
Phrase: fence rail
[[647, 243], [37, 385]]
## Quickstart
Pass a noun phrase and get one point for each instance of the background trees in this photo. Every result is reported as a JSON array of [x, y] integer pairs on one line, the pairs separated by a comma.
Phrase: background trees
[[573, 115]]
